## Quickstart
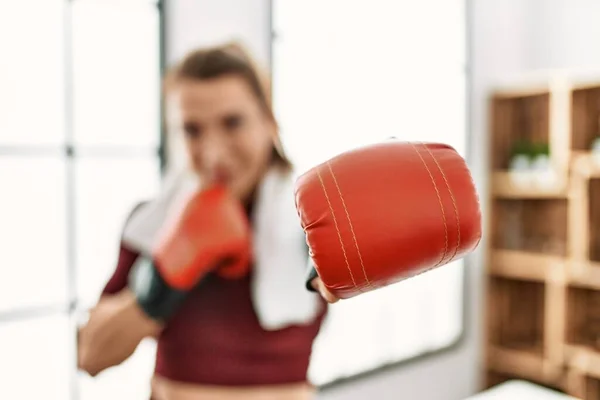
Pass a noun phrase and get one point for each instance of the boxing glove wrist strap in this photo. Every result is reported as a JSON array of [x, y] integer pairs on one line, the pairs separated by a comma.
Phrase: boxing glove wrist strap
[[312, 274], [155, 297]]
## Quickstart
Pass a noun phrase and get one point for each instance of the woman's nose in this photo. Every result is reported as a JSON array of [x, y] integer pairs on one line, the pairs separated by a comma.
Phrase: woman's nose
[[212, 150]]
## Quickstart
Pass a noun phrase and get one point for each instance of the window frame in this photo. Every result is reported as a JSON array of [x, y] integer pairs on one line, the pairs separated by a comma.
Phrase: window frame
[[67, 151], [273, 36]]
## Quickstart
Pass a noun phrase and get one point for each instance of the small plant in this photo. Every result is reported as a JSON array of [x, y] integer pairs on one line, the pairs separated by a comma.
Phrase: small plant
[[540, 149], [596, 150], [540, 156], [530, 164], [521, 148], [530, 150], [520, 164], [595, 147], [596, 143]]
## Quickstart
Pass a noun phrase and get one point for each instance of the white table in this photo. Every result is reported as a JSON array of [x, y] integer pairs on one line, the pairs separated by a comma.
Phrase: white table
[[517, 389]]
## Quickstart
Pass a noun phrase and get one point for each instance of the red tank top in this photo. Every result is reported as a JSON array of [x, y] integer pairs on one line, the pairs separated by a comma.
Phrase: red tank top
[[215, 337]]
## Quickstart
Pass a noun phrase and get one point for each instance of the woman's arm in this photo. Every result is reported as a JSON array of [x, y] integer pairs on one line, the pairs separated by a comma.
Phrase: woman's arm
[[117, 324], [115, 328]]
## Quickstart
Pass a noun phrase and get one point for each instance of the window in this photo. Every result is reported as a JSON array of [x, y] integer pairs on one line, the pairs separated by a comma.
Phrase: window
[[80, 138], [28, 37], [33, 216], [346, 74], [35, 358]]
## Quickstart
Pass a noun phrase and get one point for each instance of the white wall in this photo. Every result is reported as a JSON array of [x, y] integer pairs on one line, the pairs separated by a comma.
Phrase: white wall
[[193, 23], [563, 34], [508, 37]]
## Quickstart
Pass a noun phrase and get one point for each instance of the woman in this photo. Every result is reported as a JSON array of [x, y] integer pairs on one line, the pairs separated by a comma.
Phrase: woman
[[216, 346]]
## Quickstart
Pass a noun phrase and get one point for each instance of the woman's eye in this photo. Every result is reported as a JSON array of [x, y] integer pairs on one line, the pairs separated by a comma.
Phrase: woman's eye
[[191, 130], [233, 122]]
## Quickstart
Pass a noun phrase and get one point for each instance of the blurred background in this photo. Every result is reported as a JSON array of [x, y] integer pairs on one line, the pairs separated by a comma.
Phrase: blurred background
[[82, 140]]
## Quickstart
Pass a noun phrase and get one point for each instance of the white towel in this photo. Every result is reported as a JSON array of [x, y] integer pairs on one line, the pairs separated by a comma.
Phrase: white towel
[[280, 253]]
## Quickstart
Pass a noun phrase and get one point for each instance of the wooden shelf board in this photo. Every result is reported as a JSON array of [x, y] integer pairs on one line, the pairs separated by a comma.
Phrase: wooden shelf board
[[584, 164], [527, 266], [584, 274], [503, 187], [509, 92], [583, 359], [586, 83], [517, 363], [541, 82]]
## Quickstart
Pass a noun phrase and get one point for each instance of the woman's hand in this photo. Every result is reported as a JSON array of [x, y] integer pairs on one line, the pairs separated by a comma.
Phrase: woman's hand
[[319, 286], [115, 328]]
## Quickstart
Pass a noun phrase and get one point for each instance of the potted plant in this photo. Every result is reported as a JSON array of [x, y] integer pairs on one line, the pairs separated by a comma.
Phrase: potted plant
[[520, 164], [543, 172], [596, 150], [595, 147]]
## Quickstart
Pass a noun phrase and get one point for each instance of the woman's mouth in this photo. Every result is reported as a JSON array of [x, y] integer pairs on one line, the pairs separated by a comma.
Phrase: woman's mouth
[[222, 178]]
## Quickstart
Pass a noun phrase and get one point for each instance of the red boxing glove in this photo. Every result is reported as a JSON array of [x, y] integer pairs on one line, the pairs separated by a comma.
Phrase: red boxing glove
[[212, 232], [380, 214]]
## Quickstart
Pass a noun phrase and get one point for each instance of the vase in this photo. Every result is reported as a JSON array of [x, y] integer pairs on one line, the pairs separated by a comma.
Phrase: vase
[[520, 171], [544, 175], [596, 152]]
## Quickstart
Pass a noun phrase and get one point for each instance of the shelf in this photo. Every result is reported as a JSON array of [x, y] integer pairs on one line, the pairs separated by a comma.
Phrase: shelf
[[585, 116], [543, 247], [593, 219], [583, 378], [517, 314], [495, 378], [583, 359], [581, 386], [523, 364], [530, 225], [526, 266], [586, 164], [584, 213], [519, 362], [584, 274], [583, 318], [518, 119], [543, 81], [504, 186]]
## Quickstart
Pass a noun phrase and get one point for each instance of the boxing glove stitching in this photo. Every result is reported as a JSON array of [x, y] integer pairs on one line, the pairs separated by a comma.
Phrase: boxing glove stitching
[[336, 227], [441, 204], [453, 202], [349, 223]]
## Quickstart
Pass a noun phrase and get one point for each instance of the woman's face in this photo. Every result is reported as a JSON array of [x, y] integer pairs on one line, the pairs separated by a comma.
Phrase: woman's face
[[228, 136]]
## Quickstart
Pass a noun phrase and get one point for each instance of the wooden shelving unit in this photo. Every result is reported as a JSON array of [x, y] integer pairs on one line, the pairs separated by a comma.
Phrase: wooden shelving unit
[[504, 188], [543, 239], [583, 373]]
